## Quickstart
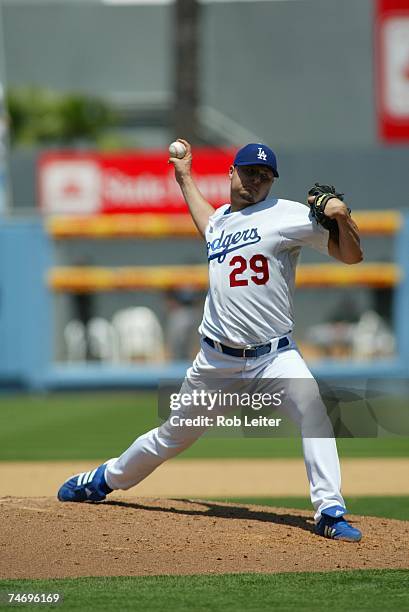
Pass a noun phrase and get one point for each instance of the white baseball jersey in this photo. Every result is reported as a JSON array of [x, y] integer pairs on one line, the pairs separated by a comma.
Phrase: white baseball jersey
[[252, 256]]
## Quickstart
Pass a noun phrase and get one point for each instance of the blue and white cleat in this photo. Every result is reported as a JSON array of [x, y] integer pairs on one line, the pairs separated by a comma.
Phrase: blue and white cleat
[[85, 487], [333, 525]]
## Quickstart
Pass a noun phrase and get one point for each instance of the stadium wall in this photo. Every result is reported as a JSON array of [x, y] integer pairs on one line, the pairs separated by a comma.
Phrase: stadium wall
[[27, 326]]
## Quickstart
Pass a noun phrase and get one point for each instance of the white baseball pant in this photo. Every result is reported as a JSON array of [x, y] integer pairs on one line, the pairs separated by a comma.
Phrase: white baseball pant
[[306, 409]]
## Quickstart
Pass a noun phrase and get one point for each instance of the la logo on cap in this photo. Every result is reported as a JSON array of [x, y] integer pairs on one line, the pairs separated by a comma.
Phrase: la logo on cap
[[261, 154]]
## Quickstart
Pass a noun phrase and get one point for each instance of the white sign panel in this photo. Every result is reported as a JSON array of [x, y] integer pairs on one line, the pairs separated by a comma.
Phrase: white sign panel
[[396, 66]]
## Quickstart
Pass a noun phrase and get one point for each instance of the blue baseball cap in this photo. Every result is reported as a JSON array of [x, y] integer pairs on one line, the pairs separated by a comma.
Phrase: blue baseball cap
[[255, 154]]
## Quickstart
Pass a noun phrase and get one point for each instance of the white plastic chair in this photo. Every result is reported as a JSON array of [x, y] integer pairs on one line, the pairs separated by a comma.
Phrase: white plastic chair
[[372, 337], [140, 335], [75, 340], [102, 340]]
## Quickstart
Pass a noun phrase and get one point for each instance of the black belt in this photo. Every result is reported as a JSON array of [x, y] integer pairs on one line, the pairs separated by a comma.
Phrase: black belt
[[257, 351]]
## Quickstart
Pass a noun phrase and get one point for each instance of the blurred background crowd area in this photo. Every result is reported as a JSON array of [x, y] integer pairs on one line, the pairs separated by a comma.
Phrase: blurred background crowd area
[[138, 334], [110, 76]]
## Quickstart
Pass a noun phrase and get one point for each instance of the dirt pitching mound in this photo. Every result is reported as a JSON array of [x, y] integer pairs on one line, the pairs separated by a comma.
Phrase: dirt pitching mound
[[43, 538]]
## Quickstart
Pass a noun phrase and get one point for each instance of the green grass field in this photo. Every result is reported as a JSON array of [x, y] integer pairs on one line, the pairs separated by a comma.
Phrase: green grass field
[[98, 425], [340, 591], [396, 506], [90, 426]]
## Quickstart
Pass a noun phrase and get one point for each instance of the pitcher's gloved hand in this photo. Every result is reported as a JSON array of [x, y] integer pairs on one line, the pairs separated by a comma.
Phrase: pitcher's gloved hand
[[318, 198]]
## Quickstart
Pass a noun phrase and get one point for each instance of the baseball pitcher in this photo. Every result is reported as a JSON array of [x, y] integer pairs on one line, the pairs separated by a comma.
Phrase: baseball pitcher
[[253, 244]]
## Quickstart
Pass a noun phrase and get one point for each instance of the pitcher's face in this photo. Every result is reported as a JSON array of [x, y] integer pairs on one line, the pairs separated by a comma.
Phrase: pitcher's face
[[250, 184]]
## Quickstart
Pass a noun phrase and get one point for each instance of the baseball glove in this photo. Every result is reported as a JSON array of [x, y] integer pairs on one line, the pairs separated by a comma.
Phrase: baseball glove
[[322, 194]]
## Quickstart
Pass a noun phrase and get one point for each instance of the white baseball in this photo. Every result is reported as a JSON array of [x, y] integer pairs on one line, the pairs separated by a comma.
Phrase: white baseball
[[177, 149]]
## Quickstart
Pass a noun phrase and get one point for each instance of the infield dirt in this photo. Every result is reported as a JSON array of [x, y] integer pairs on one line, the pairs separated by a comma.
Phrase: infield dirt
[[43, 538]]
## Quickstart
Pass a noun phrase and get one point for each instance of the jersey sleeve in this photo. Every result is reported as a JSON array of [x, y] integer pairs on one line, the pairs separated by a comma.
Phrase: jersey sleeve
[[300, 229], [217, 213]]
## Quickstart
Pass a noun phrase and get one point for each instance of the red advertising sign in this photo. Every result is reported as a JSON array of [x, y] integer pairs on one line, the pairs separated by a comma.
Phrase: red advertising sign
[[130, 182], [392, 64]]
